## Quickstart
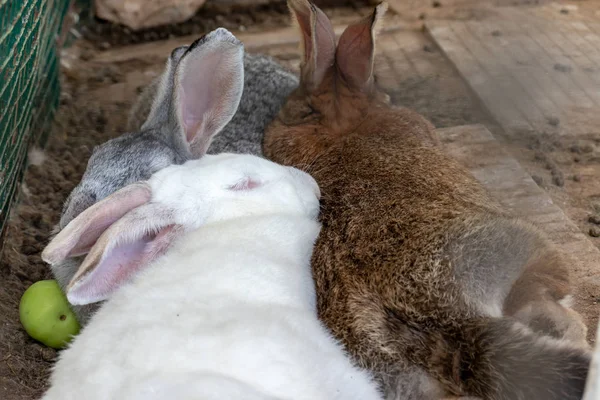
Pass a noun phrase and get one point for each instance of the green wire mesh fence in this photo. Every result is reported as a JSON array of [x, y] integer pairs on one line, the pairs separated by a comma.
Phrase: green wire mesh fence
[[29, 84]]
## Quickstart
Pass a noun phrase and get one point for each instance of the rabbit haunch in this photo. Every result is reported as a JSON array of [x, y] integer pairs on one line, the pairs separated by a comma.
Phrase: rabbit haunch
[[163, 140], [421, 275], [206, 268]]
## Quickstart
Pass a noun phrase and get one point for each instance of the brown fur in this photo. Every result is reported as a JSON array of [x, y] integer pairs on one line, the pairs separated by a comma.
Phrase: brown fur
[[403, 226]]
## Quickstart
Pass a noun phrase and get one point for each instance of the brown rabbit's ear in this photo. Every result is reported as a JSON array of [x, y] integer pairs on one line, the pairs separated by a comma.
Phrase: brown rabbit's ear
[[356, 49], [318, 41]]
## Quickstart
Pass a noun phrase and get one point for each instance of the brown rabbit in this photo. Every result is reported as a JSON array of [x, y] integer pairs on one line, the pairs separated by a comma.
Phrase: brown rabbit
[[415, 262]]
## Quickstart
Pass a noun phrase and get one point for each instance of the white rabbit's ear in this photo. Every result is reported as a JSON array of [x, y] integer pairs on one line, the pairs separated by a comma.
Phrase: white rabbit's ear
[[81, 233], [129, 245], [208, 85], [356, 49], [318, 41]]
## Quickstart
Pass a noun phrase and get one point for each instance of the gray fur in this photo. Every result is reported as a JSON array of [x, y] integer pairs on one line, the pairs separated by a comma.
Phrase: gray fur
[[155, 143], [412, 383], [488, 257], [266, 86]]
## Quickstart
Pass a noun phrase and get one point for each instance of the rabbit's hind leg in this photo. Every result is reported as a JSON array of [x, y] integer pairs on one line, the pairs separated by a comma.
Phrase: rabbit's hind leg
[[541, 299], [488, 255], [552, 319]]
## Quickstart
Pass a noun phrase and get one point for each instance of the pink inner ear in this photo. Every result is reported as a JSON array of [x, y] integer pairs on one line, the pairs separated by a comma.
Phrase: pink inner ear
[[303, 18], [325, 40], [356, 49], [318, 40], [100, 222], [209, 87], [80, 234], [245, 184], [194, 104], [355, 53], [118, 266]]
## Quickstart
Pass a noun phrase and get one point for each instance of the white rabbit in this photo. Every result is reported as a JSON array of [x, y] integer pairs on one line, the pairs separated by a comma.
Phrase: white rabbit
[[205, 269], [209, 287]]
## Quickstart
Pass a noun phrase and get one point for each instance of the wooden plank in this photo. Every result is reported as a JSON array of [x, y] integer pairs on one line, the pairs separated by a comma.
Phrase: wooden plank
[[553, 42], [573, 87], [403, 6], [548, 95], [569, 42], [568, 91], [252, 41], [412, 46], [595, 29], [394, 54], [385, 76], [587, 40], [567, 25], [585, 56], [475, 147], [547, 68], [495, 100], [547, 26], [503, 76]]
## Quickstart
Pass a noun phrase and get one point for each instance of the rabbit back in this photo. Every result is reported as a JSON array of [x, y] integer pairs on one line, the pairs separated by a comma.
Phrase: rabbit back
[[202, 313], [396, 209]]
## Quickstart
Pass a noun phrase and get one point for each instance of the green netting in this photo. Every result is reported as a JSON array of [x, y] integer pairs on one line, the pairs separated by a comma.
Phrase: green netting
[[29, 86]]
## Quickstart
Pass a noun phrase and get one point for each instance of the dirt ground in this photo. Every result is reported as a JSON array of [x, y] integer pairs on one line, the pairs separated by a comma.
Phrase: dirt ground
[[94, 106]]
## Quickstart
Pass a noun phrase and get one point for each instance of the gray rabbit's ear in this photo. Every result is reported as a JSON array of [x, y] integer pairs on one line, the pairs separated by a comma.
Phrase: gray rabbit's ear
[[199, 92], [159, 113], [208, 85]]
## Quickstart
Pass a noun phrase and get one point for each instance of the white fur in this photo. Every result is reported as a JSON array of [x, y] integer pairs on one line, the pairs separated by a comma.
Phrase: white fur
[[567, 301], [36, 156], [229, 311]]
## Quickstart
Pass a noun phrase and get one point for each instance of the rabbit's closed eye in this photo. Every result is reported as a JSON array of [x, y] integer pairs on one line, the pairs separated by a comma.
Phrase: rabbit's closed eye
[[302, 112]]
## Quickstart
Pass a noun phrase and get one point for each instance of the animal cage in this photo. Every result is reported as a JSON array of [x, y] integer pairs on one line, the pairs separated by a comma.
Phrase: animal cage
[[31, 32]]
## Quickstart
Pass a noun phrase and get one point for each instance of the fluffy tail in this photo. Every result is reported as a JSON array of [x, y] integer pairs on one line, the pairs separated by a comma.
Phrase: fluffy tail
[[498, 359]]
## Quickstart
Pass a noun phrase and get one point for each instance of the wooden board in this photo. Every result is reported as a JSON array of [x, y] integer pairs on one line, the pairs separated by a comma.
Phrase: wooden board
[[534, 69], [475, 147], [252, 41]]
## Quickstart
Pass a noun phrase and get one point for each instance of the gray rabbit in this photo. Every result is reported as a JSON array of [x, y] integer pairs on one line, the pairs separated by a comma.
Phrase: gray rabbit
[[160, 141]]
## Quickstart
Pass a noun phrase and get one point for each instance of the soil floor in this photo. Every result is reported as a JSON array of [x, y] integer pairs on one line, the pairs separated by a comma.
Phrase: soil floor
[[95, 101]]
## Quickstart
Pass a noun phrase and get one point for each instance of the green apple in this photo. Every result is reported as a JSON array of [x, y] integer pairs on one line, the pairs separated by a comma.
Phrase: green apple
[[46, 315]]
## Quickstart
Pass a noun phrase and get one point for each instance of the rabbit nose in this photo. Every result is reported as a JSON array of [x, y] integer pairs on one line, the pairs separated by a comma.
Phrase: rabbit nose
[[314, 185], [317, 190], [307, 178]]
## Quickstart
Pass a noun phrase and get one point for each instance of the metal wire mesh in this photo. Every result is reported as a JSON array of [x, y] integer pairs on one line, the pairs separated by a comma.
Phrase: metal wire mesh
[[29, 85]]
